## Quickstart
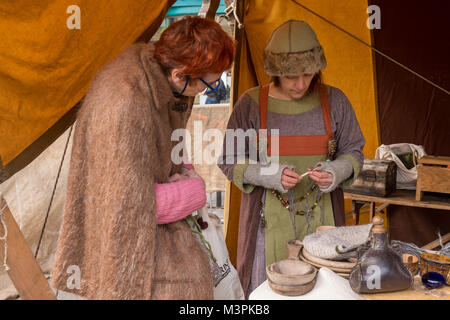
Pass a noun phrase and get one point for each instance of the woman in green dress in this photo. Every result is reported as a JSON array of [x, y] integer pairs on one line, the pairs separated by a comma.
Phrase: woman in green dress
[[319, 149]]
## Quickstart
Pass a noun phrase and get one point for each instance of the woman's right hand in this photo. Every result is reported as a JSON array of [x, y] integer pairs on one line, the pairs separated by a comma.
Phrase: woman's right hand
[[289, 178]]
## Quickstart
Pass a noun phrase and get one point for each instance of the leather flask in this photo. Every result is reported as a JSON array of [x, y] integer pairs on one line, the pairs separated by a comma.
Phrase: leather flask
[[379, 268]]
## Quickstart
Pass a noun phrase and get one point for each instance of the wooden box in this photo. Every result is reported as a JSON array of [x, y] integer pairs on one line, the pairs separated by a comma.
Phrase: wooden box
[[433, 175], [377, 178]]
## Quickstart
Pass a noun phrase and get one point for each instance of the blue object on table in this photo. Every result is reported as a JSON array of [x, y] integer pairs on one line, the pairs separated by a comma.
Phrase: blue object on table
[[433, 280]]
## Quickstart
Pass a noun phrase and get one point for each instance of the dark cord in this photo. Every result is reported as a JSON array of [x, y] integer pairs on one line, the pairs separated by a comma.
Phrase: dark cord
[[372, 48], [53, 194]]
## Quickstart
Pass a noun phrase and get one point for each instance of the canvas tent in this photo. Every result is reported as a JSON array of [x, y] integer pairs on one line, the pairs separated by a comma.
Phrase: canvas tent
[[47, 63]]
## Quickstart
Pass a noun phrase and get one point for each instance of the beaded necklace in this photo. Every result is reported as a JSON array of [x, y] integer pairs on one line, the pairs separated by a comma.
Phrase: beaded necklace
[[286, 205]]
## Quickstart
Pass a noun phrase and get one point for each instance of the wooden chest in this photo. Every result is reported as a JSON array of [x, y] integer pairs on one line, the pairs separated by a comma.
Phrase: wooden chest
[[377, 178], [433, 175]]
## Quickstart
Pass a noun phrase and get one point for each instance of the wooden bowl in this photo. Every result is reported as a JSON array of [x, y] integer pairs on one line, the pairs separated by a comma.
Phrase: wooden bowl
[[411, 262], [431, 262], [286, 290], [291, 272]]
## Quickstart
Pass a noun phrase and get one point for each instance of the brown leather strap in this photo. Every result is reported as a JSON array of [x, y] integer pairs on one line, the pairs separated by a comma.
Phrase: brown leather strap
[[298, 145], [263, 105]]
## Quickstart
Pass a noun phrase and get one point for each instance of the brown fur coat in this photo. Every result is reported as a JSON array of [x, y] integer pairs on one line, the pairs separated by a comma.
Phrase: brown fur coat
[[122, 147]]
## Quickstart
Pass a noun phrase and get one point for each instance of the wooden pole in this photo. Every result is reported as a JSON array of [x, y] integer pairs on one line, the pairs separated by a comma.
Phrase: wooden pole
[[231, 191], [24, 271], [209, 9]]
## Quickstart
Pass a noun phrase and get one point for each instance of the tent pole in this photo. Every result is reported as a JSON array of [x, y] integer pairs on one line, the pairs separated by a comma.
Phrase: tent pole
[[231, 222]]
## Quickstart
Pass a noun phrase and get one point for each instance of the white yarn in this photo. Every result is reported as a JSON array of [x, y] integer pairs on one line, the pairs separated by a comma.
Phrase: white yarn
[[232, 9]]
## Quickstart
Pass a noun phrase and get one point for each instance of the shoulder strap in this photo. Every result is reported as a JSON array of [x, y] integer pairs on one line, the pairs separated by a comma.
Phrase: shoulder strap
[[263, 105], [325, 108]]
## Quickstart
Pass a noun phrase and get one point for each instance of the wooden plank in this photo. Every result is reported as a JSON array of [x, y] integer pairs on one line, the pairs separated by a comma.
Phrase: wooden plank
[[437, 242], [439, 160], [404, 198], [24, 271], [419, 192]]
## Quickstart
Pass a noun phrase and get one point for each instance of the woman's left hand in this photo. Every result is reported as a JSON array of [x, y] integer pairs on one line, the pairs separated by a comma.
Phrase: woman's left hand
[[192, 174], [322, 178], [177, 177]]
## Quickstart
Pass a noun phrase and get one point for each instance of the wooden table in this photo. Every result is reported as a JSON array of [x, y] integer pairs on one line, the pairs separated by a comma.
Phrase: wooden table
[[398, 197], [416, 292]]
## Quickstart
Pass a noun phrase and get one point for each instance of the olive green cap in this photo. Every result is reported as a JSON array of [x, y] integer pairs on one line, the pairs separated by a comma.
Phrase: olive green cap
[[293, 48]]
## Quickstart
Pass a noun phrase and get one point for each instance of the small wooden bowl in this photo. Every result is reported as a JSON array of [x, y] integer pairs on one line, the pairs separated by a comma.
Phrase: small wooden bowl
[[412, 263], [431, 262], [291, 272]]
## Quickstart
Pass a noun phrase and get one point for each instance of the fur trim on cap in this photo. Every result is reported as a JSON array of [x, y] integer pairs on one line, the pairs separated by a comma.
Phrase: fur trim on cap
[[292, 63]]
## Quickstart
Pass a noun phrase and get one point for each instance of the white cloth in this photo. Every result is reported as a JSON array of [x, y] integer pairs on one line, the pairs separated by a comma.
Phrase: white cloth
[[329, 286], [229, 286], [406, 178]]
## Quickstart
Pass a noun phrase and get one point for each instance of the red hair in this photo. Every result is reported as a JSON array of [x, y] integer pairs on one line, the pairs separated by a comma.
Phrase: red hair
[[195, 45]]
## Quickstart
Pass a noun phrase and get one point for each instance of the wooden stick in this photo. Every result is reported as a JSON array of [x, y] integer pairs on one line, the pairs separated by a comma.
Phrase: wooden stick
[[372, 210], [381, 207], [356, 206], [436, 242], [24, 271]]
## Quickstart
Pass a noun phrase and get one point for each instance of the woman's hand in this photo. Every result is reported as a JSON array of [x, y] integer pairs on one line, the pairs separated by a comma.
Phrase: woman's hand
[[177, 177], [289, 178], [322, 178], [192, 174]]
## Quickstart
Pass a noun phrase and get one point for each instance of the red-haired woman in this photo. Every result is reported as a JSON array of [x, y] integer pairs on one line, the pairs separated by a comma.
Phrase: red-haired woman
[[123, 234]]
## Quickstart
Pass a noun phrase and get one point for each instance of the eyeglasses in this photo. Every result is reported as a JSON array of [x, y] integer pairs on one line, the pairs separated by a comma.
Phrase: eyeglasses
[[211, 87]]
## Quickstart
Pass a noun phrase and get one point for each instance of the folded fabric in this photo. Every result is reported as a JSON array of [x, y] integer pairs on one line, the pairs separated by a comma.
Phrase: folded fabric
[[337, 243]]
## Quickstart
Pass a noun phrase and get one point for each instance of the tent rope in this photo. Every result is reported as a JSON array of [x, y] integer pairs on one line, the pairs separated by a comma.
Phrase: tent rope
[[53, 193], [231, 9], [3, 238], [374, 49]]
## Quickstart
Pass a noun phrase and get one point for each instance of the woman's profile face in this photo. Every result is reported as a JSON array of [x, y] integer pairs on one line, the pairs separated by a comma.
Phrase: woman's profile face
[[295, 86]]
